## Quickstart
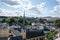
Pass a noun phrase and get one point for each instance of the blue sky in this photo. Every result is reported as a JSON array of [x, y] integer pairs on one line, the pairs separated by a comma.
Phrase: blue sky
[[32, 8]]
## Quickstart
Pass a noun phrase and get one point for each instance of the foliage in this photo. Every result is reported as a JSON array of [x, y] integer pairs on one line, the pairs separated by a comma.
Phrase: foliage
[[20, 20], [3, 20], [58, 23], [50, 35], [16, 21], [28, 22], [10, 20]]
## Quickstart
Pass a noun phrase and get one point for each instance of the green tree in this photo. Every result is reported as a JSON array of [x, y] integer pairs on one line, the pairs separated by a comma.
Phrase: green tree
[[28, 22], [50, 35], [10, 20], [58, 23], [20, 20], [3, 20]]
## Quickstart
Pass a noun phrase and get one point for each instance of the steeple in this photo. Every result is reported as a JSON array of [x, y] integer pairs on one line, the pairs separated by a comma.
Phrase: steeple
[[24, 20], [23, 30]]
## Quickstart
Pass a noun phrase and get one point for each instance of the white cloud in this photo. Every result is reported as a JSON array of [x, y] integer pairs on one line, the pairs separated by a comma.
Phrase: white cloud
[[41, 5], [40, 10], [33, 10], [5, 12], [58, 1], [10, 2], [37, 10], [25, 4], [56, 11]]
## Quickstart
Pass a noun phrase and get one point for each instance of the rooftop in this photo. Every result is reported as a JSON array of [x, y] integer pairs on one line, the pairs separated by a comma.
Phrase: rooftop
[[16, 32], [35, 33]]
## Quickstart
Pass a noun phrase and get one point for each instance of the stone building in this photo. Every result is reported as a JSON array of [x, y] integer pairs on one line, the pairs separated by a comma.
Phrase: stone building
[[32, 34]]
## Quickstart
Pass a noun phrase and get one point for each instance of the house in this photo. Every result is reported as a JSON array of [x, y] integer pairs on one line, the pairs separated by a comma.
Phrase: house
[[46, 30], [4, 31], [4, 34]]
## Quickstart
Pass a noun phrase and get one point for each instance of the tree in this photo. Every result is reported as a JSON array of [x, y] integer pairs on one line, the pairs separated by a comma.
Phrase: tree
[[20, 20], [58, 23], [10, 20], [51, 34], [3, 20], [28, 22]]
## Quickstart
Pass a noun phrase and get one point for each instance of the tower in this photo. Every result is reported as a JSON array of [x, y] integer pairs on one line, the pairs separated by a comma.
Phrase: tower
[[24, 20], [23, 30]]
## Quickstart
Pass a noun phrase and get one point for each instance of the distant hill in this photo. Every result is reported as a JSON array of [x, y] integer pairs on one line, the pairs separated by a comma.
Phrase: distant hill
[[3, 17]]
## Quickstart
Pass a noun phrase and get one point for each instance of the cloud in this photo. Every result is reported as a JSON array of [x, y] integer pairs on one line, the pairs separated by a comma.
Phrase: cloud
[[25, 4], [38, 11], [56, 11], [41, 5], [10, 2], [41, 8], [5, 12], [58, 1], [35, 10], [31, 10], [1, 12]]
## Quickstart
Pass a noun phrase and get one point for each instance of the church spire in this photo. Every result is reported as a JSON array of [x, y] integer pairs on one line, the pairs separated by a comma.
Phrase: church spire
[[24, 20]]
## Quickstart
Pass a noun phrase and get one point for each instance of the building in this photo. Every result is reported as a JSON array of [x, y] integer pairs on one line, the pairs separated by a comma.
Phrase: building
[[4, 31], [4, 34], [16, 38], [57, 39], [35, 35], [30, 34]]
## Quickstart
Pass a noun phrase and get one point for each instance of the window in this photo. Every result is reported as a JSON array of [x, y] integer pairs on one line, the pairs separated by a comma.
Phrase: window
[[24, 30], [33, 39], [40, 38], [37, 39], [24, 39], [9, 31]]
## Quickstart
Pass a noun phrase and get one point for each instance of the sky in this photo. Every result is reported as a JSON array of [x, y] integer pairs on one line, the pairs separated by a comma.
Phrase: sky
[[32, 8]]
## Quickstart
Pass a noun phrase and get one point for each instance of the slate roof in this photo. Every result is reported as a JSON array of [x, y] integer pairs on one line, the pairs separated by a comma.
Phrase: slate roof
[[19, 29], [16, 38], [46, 29], [4, 38], [35, 33], [16, 32]]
